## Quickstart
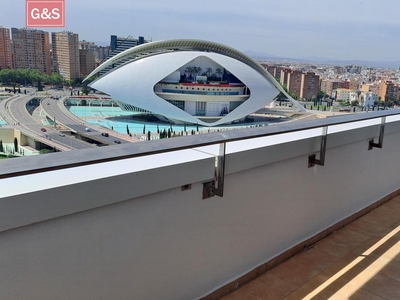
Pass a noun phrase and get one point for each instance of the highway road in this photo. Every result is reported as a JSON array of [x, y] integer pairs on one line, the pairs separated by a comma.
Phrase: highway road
[[14, 113], [55, 109], [23, 120]]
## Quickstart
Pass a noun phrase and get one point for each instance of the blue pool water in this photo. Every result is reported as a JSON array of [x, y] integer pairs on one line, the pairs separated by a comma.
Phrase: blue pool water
[[89, 114]]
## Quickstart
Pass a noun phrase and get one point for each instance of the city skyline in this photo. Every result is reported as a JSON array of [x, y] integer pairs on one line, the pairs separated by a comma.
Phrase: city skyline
[[334, 30]]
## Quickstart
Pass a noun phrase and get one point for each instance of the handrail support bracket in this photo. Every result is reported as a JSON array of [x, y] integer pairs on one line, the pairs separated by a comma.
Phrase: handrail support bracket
[[216, 186], [312, 160], [371, 143]]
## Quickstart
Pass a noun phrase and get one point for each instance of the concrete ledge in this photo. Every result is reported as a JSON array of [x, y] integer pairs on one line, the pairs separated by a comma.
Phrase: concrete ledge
[[59, 193]]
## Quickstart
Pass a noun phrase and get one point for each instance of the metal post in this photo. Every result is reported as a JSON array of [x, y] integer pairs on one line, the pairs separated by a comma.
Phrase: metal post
[[216, 187], [312, 161], [381, 134], [220, 171]]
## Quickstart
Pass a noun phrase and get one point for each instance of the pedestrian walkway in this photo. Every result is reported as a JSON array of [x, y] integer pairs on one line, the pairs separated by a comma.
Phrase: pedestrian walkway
[[359, 261]]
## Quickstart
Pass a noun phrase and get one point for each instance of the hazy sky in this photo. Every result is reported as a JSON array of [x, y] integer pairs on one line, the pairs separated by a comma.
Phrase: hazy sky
[[335, 29]]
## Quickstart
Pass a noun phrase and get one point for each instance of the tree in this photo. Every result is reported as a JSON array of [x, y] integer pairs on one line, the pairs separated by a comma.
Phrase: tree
[[85, 89], [39, 85], [218, 72], [354, 103], [1, 146], [148, 135], [188, 71], [16, 144], [198, 70], [144, 129], [209, 72]]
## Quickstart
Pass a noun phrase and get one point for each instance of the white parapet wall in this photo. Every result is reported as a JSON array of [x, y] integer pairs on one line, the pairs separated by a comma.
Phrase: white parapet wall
[[140, 228]]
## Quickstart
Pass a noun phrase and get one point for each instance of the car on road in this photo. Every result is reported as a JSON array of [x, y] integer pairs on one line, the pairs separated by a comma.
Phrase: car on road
[[61, 134], [105, 134], [87, 129], [117, 142], [43, 129]]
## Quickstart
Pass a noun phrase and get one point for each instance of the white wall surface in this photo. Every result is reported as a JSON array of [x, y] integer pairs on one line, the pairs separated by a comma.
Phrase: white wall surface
[[172, 244], [190, 107]]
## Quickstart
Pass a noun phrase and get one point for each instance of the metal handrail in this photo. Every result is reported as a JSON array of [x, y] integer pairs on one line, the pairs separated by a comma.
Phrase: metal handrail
[[49, 162]]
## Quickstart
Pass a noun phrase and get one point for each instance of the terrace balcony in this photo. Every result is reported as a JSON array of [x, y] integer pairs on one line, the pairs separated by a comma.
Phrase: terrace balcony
[[201, 216]]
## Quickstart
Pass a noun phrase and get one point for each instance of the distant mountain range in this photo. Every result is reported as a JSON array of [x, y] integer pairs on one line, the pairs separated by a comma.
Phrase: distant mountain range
[[325, 61]]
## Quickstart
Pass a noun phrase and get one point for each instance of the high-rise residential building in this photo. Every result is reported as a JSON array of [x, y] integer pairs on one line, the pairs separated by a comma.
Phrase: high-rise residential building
[[5, 49], [86, 62], [86, 57], [294, 82], [86, 45], [379, 89], [66, 54], [271, 69], [31, 49], [310, 85], [283, 78], [391, 91], [101, 53], [120, 44]]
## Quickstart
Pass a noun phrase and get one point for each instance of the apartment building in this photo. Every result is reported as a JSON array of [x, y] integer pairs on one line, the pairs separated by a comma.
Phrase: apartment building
[[379, 89], [328, 86], [120, 44], [65, 46], [31, 49], [344, 95], [86, 62], [5, 49], [294, 82], [310, 85], [391, 91]]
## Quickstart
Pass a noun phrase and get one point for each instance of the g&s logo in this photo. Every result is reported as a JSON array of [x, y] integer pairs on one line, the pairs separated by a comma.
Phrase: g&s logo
[[45, 13]]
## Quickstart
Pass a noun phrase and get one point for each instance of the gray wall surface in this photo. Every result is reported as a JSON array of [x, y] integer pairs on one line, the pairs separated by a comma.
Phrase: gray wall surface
[[105, 239]]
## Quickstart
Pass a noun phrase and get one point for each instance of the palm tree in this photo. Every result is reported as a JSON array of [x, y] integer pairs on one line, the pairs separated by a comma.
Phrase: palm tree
[[198, 70], [218, 71], [209, 72], [187, 71], [192, 71]]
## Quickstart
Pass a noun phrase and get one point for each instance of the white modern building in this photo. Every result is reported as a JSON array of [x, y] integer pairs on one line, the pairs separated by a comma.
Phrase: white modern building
[[189, 81], [368, 99]]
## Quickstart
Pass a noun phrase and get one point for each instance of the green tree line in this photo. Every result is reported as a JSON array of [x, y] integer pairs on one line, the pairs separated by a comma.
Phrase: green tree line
[[28, 76]]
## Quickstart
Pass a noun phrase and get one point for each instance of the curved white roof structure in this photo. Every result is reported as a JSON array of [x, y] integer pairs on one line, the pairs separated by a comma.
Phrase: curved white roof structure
[[143, 67]]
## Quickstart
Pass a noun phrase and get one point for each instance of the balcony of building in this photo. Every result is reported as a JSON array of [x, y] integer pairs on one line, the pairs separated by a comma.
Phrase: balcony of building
[[200, 216], [359, 261]]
